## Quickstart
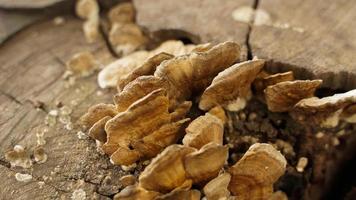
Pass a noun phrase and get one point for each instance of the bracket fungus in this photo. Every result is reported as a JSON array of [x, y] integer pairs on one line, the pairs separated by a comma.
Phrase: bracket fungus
[[119, 70], [196, 163], [264, 79], [166, 171], [150, 145], [217, 188], [147, 68], [137, 89], [156, 90], [326, 111], [203, 130], [282, 96], [231, 88], [141, 118], [96, 113], [253, 176], [97, 131], [219, 112], [194, 71]]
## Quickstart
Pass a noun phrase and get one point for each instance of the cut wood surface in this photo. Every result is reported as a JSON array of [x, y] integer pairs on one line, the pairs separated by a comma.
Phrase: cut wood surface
[[320, 41], [32, 69], [199, 21], [315, 39]]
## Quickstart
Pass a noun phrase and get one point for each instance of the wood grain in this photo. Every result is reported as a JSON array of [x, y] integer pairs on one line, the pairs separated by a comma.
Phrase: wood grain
[[32, 68], [199, 21], [320, 41]]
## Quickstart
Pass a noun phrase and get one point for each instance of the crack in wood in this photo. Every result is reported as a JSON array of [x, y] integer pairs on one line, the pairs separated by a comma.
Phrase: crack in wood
[[11, 97], [249, 31]]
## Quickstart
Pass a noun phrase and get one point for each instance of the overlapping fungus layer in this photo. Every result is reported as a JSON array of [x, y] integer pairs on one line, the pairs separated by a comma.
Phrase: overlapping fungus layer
[[148, 120]]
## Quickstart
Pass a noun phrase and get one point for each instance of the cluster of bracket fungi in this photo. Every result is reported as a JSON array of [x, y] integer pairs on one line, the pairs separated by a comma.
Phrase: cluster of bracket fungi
[[148, 120]]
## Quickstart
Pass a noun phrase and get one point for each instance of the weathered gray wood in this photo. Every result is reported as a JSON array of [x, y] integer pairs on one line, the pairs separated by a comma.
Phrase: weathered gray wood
[[31, 70], [200, 21], [319, 43], [316, 39]]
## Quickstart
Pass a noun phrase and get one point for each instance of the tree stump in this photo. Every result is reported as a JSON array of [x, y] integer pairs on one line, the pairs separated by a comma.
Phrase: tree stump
[[314, 39]]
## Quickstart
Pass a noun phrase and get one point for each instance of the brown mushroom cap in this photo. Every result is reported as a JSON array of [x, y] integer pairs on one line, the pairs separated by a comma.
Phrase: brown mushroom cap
[[319, 110], [147, 68], [255, 173], [217, 188], [97, 112], [133, 192], [231, 84], [137, 89], [185, 73], [166, 171], [140, 119], [205, 164], [203, 130], [282, 96]]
